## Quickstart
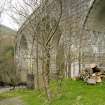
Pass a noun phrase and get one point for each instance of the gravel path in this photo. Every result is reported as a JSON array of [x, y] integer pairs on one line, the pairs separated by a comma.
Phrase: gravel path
[[2, 90], [12, 101]]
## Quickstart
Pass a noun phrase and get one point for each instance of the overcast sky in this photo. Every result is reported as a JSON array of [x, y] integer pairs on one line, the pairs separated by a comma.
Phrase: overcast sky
[[6, 19]]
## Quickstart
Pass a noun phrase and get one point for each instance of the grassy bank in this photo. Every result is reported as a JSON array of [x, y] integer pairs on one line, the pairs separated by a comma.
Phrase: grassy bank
[[73, 93]]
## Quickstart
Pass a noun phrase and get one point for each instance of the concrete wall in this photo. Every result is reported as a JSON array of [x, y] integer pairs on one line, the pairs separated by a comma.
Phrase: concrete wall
[[69, 33]]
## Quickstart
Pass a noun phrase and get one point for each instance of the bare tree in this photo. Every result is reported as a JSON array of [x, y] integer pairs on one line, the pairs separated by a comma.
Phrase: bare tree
[[43, 27]]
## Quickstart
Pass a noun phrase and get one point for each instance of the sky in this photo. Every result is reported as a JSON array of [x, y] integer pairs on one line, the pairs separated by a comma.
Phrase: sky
[[5, 18], [8, 21]]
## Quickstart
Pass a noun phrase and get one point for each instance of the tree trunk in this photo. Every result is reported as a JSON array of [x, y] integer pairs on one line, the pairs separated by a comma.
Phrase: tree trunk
[[37, 60], [69, 67], [45, 74]]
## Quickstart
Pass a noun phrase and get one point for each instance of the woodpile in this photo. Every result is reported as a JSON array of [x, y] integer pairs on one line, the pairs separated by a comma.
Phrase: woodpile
[[93, 74]]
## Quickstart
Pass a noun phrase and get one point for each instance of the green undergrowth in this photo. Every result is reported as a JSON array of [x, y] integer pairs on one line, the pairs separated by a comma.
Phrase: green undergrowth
[[71, 93]]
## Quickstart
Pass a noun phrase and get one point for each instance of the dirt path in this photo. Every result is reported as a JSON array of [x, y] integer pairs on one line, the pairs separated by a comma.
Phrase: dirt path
[[12, 101], [2, 90]]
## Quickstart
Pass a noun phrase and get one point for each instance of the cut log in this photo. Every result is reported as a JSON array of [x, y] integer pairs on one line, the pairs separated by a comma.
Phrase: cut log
[[98, 79], [91, 81]]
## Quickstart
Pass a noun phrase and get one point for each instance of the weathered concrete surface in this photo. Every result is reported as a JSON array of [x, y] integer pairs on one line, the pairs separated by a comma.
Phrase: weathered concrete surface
[[96, 16], [12, 101]]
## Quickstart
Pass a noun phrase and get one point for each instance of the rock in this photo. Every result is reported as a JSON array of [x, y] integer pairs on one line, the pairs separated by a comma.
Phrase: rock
[[91, 81]]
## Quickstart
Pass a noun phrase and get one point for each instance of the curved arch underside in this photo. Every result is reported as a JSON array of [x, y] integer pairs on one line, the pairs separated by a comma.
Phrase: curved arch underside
[[23, 42], [96, 17]]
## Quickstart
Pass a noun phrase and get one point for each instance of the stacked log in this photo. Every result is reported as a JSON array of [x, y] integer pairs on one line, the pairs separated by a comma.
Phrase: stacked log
[[93, 74]]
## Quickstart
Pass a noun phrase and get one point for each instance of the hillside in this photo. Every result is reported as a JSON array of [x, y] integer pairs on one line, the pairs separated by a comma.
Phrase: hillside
[[7, 43], [6, 31]]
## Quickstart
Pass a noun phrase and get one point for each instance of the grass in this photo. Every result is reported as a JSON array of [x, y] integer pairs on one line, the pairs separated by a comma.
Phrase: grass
[[73, 93]]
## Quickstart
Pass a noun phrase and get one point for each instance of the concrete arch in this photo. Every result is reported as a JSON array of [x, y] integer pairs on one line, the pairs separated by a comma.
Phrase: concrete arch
[[23, 49], [95, 19], [23, 54], [24, 42]]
